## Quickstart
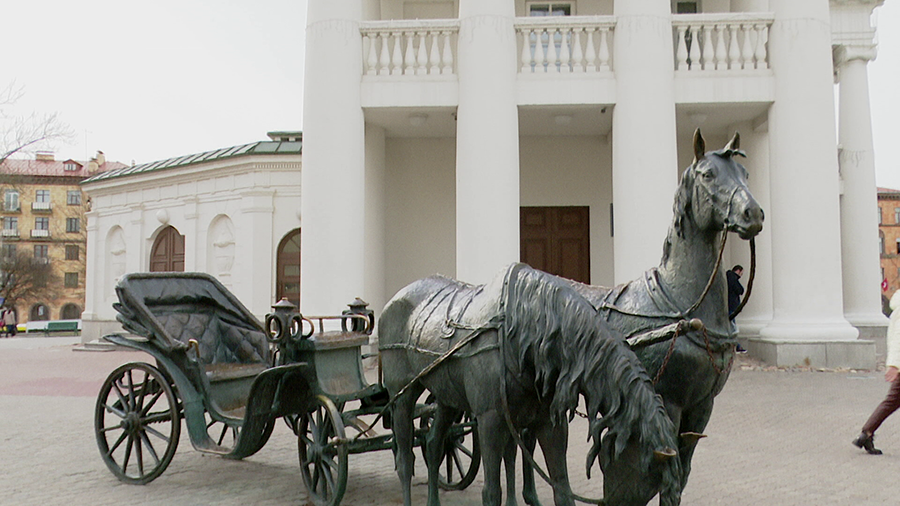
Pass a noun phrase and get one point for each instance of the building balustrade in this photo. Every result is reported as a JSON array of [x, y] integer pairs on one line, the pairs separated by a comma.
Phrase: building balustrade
[[37, 233], [10, 232], [727, 41], [565, 45], [41, 206], [409, 47]]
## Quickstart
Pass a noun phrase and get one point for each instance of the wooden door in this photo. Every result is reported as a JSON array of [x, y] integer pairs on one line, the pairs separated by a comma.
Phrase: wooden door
[[287, 282], [557, 240], [167, 254]]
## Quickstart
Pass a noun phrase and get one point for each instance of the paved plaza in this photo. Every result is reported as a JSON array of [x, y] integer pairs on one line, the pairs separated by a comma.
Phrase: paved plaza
[[775, 438]]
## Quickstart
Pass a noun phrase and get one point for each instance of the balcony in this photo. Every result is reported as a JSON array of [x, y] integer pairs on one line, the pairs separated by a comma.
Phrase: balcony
[[41, 207], [717, 58], [12, 208], [720, 42], [9, 232], [40, 234]]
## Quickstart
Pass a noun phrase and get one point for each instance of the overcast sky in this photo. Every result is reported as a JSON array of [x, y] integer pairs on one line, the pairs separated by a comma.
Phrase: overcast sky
[[148, 81]]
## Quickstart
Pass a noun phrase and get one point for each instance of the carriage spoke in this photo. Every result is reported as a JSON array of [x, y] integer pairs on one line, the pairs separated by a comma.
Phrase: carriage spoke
[[156, 433], [458, 462], [128, 447], [149, 405], [139, 454], [329, 481], [114, 427], [116, 445], [117, 412], [149, 445], [459, 446]]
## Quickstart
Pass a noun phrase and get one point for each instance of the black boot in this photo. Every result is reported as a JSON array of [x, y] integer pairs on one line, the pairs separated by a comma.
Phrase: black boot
[[867, 442]]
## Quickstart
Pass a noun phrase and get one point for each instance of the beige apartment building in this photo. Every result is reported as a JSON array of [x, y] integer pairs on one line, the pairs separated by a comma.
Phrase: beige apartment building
[[43, 215]]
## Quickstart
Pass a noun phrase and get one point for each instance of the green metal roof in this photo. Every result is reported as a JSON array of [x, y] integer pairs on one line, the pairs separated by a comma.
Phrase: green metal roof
[[256, 148]]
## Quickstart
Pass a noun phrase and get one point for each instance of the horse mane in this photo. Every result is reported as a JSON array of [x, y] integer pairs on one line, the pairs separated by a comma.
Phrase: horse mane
[[555, 334]]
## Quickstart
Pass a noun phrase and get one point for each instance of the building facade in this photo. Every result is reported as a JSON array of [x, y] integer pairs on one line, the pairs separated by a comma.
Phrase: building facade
[[233, 213], [43, 213], [437, 131], [889, 238]]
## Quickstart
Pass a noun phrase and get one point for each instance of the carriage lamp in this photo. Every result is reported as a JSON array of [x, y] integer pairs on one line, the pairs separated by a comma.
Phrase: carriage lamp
[[361, 308], [278, 323]]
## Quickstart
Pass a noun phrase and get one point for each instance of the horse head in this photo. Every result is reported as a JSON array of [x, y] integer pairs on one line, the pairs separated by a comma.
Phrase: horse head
[[713, 193]]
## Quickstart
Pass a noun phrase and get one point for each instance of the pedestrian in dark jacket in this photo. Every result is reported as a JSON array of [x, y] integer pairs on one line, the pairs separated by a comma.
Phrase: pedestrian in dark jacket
[[735, 290]]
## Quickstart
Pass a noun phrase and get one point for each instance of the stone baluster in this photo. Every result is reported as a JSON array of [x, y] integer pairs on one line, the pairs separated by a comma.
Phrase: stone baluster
[[734, 51], [434, 57], [539, 57], [421, 54], [384, 58], [694, 54], [371, 57], [552, 51], [525, 56], [604, 54], [577, 55], [565, 52], [708, 57], [721, 55], [681, 52], [747, 47], [448, 54], [762, 60], [397, 55], [589, 51], [409, 56]]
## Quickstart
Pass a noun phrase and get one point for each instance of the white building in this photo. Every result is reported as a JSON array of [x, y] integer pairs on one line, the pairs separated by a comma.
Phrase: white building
[[431, 128], [233, 213]]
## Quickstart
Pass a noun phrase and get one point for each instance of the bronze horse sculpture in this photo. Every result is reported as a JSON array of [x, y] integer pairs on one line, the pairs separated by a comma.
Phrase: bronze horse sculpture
[[520, 352], [712, 200]]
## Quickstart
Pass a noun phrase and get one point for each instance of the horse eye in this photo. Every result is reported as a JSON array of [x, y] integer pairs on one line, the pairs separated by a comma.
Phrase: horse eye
[[708, 175]]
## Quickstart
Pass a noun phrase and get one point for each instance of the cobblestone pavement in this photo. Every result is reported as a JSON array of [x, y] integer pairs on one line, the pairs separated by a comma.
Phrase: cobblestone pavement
[[776, 437]]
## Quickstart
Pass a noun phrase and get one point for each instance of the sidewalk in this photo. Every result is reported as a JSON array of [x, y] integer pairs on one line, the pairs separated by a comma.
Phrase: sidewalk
[[775, 438]]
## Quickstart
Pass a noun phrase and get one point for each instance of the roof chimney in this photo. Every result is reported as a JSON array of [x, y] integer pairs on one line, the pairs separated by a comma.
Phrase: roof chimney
[[44, 156], [101, 158]]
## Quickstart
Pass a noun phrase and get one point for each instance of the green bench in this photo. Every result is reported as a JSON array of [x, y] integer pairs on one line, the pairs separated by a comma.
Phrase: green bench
[[61, 326]]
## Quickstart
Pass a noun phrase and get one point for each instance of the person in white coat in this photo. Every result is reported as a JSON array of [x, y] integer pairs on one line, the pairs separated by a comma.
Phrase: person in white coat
[[891, 402]]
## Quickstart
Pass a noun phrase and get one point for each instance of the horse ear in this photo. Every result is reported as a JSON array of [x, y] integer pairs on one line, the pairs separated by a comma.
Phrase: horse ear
[[735, 143], [699, 146]]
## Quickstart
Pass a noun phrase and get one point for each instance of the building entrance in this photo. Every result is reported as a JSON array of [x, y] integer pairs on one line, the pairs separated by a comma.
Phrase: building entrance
[[557, 240]]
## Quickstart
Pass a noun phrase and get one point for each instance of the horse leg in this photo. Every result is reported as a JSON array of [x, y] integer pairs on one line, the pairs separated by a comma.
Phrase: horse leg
[[493, 437], [435, 444], [692, 420], [509, 463], [554, 441], [402, 424], [528, 489]]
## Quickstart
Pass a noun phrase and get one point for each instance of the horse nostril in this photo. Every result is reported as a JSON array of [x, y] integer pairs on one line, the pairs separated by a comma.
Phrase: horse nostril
[[753, 214]]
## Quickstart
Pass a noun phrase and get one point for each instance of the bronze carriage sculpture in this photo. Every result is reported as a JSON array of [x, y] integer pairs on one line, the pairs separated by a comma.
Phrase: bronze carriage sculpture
[[230, 377]]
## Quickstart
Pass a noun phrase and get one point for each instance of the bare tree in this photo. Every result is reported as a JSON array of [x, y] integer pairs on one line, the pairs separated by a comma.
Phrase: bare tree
[[21, 134], [26, 278]]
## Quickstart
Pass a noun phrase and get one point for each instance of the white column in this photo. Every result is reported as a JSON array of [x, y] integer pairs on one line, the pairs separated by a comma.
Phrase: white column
[[859, 228], [645, 155], [333, 175], [758, 312], [375, 224], [804, 211], [487, 141], [258, 219]]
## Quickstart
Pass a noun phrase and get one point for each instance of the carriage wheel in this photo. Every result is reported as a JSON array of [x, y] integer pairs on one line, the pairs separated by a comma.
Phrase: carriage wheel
[[462, 454], [137, 423], [323, 461]]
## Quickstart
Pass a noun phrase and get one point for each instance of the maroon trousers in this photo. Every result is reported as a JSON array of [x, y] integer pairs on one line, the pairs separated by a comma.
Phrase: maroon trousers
[[890, 404]]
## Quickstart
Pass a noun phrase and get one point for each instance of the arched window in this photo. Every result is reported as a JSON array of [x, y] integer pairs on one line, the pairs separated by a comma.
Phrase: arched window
[[39, 313], [167, 254], [70, 312], [287, 277]]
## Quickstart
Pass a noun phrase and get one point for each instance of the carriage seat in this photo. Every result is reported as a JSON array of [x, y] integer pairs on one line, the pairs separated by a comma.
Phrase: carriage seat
[[227, 350]]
